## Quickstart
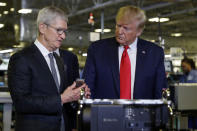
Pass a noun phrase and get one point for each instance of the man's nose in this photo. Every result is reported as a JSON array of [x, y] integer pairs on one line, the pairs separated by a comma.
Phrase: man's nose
[[63, 35], [120, 30]]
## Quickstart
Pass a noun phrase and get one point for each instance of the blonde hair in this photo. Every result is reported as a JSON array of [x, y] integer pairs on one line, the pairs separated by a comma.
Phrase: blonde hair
[[130, 14]]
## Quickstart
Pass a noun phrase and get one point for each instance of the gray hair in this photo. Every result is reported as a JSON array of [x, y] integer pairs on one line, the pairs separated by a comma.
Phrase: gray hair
[[49, 14]]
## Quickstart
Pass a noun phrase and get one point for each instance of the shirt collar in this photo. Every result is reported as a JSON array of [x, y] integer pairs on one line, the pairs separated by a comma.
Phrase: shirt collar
[[132, 46], [43, 49]]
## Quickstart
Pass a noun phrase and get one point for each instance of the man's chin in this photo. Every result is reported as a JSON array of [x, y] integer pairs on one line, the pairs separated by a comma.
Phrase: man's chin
[[121, 42], [58, 45]]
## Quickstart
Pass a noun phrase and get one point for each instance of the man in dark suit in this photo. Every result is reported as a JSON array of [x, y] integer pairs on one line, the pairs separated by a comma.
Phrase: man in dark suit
[[40, 78], [143, 75]]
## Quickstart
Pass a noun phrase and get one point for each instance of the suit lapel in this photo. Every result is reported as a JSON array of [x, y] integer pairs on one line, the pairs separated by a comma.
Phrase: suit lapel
[[115, 64], [43, 64], [62, 70], [141, 54], [40, 58]]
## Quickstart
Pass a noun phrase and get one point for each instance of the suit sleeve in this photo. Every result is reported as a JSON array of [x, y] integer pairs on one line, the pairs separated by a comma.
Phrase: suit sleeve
[[75, 69], [72, 76], [89, 73], [20, 84], [161, 81]]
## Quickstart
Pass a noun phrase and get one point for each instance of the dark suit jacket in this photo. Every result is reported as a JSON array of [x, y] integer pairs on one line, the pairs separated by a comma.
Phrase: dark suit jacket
[[34, 93], [101, 71]]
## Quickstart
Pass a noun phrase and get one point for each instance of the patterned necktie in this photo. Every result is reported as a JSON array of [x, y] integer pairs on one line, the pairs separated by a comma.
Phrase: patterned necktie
[[125, 75], [54, 73], [53, 70]]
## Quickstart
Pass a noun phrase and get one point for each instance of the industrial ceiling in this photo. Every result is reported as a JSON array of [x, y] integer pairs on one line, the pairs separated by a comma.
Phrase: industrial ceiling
[[21, 29]]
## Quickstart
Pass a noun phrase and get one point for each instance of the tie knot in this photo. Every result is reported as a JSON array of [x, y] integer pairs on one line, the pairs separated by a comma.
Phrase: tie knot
[[126, 47], [55, 54], [50, 55]]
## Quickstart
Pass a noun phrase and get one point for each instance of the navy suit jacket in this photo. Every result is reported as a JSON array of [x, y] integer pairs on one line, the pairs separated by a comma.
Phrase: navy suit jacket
[[101, 71], [34, 93]]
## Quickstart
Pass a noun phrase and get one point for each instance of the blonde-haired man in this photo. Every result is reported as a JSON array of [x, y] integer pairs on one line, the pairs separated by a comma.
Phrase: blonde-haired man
[[125, 66]]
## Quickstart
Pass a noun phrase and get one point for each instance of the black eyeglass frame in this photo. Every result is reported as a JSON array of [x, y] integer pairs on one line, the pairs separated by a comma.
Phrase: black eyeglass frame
[[58, 30]]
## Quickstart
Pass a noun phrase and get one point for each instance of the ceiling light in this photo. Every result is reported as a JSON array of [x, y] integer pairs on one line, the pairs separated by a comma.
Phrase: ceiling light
[[156, 19], [6, 51], [25, 11], [97, 30], [84, 54], [1, 25], [168, 56], [176, 34], [2, 4], [18, 46], [100, 30], [16, 27], [5, 12], [0, 15], [70, 49], [12, 9], [107, 30]]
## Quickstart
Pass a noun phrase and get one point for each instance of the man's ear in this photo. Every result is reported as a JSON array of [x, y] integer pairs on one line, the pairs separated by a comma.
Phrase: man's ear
[[139, 32], [42, 28]]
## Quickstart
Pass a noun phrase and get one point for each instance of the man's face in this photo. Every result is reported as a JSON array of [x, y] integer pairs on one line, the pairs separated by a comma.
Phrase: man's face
[[54, 33], [126, 32], [186, 68]]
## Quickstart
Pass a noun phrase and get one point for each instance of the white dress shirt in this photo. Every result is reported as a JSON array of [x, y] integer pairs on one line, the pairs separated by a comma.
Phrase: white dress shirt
[[45, 53], [132, 52]]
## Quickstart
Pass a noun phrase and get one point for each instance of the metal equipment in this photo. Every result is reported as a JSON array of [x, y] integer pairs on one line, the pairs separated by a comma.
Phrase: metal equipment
[[183, 96], [122, 115]]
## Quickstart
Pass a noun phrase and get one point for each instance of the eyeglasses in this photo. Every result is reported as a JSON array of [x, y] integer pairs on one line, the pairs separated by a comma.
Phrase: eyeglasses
[[58, 30]]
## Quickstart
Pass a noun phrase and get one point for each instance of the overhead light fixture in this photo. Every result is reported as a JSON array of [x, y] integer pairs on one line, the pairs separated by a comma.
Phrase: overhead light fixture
[[5, 12], [2, 4], [157, 19], [100, 30], [18, 46], [0, 15], [1, 25], [168, 56], [70, 49], [6, 51], [16, 27], [12, 9], [176, 34], [84, 54], [25, 11], [107, 30]]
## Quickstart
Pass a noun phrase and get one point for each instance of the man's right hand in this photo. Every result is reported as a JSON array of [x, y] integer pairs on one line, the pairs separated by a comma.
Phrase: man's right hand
[[71, 93]]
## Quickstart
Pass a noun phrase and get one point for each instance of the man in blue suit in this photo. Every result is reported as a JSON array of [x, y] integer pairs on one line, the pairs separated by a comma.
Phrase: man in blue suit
[[103, 64], [40, 78]]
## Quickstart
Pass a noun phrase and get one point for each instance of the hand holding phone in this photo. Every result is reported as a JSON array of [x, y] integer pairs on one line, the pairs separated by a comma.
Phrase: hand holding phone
[[79, 82]]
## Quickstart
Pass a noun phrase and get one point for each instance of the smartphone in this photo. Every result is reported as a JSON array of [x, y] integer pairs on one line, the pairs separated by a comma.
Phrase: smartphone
[[79, 82]]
